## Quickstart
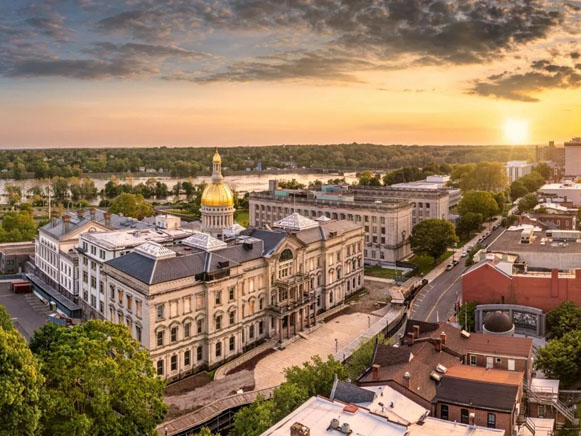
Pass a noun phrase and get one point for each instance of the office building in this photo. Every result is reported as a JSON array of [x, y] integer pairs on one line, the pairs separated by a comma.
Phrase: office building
[[573, 158], [515, 169]]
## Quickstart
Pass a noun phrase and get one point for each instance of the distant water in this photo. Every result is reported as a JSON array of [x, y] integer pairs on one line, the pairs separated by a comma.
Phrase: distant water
[[240, 183]]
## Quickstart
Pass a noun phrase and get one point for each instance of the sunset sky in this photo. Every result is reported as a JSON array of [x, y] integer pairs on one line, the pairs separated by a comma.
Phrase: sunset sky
[[258, 72]]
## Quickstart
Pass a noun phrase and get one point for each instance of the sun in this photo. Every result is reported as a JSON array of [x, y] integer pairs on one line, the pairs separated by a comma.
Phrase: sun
[[516, 131]]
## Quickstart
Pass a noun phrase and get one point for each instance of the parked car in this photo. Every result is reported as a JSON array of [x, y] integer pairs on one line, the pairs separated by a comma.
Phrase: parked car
[[464, 254], [449, 267], [496, 226], [455, 262]]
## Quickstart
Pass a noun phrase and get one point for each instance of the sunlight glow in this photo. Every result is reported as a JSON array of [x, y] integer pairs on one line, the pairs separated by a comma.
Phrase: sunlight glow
[[516, 131]]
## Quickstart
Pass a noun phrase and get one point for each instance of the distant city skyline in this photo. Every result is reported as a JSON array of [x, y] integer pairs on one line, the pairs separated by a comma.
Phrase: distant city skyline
[[88, 73]]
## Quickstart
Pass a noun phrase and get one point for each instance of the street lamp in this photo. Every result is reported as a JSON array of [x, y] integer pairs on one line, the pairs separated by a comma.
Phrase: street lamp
[[336, 345], [403, 233]]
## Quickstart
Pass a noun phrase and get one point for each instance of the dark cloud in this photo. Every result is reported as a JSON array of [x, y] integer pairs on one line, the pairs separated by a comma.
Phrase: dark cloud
[[108, 50], [52, 26], [542, 75], [80, 69]]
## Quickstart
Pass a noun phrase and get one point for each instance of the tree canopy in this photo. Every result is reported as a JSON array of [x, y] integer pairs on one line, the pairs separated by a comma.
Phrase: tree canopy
[[17, 226], [99, 381], [561, 357], [369, 178], [481, 202], [517, 190], [432, 237], [132, 205], [486, 176], [528, 202], [564, 318], [20, 383]]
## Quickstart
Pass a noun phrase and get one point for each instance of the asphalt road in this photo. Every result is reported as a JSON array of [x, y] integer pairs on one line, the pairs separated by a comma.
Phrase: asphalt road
[[437, 299]]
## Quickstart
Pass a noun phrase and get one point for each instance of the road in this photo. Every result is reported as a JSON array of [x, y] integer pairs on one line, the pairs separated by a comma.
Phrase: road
[[437, 299]]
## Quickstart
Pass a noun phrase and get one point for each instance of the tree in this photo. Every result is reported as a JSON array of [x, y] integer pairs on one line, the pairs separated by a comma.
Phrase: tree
[[99, 381], [486, 176], [254, 419], [532, 181], [468, 223], [316, 378], [205, 431], [517, 189], [528, 202], [290, 184], [14, 193], [466, 315], [286, 398], [432, 237], [132, 205], [20, 384], [5, 322], [361, 358], [481, 202], [17, 226], [543, 169], [564, 318], [561, 358], [500, 199], [368, 178]]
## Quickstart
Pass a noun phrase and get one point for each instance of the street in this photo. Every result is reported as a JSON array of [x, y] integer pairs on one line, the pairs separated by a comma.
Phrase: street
[[436, 300]]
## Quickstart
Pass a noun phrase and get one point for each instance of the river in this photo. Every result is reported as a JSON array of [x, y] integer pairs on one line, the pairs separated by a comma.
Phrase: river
[[240, 183]]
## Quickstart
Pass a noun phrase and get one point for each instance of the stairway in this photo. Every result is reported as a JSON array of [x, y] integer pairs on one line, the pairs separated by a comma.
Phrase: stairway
[[560, 407]]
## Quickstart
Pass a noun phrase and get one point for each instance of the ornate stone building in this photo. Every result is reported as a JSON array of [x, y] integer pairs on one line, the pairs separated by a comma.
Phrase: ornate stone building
[[217, 202], [204, 301]]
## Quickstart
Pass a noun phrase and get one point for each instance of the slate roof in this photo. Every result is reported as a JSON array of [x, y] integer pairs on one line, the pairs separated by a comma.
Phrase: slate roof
[[270, 239], [325, 231], [386, 355], [492, 396], [349, 393]]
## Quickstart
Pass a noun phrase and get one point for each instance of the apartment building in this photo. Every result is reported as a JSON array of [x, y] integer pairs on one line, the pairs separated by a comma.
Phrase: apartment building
[[204, 301], [387, 224], [515, 169]]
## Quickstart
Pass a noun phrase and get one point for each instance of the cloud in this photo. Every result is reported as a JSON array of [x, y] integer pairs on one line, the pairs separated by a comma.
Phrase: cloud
[[81, 69], [52, 26], [542, 75], [108, 50]]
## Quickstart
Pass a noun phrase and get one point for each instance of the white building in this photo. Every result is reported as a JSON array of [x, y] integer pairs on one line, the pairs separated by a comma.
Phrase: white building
[[573, 158], [97, 248], [567, 192], [515, 169], [435, 183]]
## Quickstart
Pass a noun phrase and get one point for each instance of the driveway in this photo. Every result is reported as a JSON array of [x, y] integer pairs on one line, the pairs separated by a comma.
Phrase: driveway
[[26, 311]]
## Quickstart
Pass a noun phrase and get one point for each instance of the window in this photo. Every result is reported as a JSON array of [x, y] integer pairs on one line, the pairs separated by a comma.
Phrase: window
[[138, 308], [129, 303], [199, 353], [260, 327], [160, 310], [444, 412], [472, 360], [138, 333], [464, 416], [499, 360], [231, 343], [187, 329], [160, 367], [199, 301], [187, 304], [173, 309], [218, 349], [112, 292], [199, 326], [491, 421], [187, 355], [218, 322], [174, 334], [174, 363], [120, 297], [93, 282], [232, 319], [160, 336], [231, 293], [251, 332], [218, 298]]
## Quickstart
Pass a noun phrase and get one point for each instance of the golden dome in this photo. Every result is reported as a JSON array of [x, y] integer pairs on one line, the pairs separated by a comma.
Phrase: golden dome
[[217, 158], [217, 194]]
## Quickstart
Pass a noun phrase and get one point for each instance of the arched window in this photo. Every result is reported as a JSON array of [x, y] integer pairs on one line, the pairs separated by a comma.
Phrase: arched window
[[286, 255]]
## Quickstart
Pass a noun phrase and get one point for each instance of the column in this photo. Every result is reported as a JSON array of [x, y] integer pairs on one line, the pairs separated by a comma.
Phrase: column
[[295, 322], [280, 329], [309, 315], [288, 326], [301, 316]]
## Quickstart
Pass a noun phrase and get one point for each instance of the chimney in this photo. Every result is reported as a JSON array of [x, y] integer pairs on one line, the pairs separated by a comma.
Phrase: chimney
[[439, 345], [406, 379], [410, 338], [375, 371], [80, 214], [54, 217], [443, 338], [92, 212], [471, 418], [298, 429], [107, 216], [66, 222], [416, 329]]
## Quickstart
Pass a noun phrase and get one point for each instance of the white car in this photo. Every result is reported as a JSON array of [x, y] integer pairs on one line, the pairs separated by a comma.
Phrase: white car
[[463, 254]]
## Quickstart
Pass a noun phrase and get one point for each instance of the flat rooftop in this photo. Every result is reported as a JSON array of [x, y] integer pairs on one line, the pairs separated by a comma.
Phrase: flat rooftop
[[510, 242], [480, 373], [438, 427], [134, 237], [317, 413]]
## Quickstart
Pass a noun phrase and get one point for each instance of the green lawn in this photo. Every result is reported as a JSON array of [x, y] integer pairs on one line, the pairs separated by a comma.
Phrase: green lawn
[[426, 263], [242, 217], [377, 271]]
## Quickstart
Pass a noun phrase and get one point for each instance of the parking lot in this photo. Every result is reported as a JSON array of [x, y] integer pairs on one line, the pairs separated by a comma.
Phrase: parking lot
[[26, 311]]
